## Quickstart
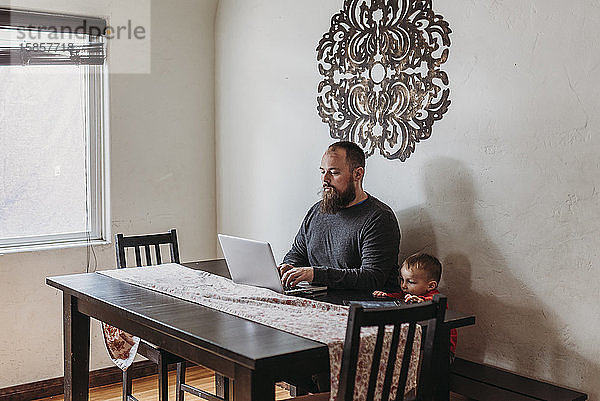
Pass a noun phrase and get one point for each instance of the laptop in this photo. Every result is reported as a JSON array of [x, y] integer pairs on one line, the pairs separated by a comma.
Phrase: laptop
[[251, 262]]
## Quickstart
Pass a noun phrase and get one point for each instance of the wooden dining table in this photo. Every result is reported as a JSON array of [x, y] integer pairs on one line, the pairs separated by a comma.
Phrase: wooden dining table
[[255, 356]]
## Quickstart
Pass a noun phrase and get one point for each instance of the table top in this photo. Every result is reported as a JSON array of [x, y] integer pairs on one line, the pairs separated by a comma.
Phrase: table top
[[244, 342], [452, 320]]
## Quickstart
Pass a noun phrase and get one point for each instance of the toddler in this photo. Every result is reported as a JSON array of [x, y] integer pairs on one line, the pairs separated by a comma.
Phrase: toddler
[[419, 277]]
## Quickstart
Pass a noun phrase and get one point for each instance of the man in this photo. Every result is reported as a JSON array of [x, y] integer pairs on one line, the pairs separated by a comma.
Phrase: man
[[349, 239]]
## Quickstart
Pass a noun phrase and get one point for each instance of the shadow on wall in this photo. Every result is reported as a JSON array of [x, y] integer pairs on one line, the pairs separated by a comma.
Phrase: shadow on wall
[[417, 232], [515, 329]]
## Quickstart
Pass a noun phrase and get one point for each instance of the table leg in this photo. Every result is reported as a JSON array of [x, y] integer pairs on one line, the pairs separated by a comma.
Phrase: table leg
[[77, 350], [252, 386]]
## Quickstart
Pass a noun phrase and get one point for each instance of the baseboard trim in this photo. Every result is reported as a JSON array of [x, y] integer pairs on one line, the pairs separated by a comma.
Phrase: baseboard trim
[[52, 387]]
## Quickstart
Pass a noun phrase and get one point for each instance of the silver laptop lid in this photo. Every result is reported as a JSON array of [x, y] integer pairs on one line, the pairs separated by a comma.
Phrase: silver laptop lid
[[251, 262]]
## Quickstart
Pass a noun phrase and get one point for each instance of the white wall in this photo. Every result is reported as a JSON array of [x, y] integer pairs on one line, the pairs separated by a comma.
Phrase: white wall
[[505, 191], [162, 172]]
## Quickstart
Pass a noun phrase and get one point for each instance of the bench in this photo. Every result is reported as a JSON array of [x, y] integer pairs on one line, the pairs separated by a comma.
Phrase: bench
[[482, 382]]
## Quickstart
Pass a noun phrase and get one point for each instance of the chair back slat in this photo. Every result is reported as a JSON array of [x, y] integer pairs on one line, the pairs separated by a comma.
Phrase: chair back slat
[[157, 251], [395, 316], [138, 257], [136, 242], [408, 348], [391, 364], [148, 257], [375, 363]]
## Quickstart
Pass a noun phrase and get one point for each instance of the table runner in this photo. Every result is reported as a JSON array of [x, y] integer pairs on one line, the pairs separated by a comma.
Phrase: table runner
[[315, 320]]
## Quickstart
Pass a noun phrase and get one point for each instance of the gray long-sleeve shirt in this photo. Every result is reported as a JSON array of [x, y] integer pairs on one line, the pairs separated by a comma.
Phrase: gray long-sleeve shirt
[[355, 248]]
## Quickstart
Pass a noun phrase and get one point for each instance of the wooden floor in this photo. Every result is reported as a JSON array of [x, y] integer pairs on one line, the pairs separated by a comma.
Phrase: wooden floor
[[145, 389]]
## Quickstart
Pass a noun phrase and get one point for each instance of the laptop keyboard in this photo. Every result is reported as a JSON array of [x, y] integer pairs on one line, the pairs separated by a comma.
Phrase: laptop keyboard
[[303, 289]]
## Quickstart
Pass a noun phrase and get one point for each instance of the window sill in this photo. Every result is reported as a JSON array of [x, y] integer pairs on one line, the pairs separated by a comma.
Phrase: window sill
[[52, 246]]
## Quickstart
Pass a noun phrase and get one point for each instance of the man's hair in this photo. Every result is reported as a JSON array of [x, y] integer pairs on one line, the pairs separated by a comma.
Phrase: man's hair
[[426, 263], [355, 157]]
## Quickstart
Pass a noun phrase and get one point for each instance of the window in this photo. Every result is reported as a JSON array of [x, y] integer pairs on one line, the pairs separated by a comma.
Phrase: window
[[53, 131]]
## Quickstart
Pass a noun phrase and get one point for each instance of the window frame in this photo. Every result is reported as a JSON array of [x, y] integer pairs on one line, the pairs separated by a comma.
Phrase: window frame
[[97, 129]]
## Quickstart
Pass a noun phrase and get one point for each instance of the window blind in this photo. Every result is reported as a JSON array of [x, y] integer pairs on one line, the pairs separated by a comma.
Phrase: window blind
[[34, 38]]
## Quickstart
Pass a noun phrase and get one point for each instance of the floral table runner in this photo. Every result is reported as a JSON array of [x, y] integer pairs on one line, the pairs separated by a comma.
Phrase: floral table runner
[[315, 320]]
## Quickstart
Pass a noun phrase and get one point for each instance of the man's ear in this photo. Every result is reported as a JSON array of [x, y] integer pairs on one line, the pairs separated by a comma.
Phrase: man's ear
[[358, 173], [432, 285]]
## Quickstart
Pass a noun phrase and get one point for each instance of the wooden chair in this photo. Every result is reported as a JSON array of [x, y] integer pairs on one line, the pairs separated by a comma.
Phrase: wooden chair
[[142, 245], [430, 312]]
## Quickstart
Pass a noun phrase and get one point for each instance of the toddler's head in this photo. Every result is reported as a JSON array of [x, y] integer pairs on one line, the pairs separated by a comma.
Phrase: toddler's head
[[420, 273]]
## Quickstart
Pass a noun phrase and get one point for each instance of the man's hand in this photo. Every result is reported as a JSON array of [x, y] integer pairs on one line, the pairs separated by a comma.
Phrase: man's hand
[[291, 276], [283, 268], [413, 299]]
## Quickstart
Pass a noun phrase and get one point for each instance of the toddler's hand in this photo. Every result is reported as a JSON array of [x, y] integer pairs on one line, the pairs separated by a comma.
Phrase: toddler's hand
[[412, 299], [379, 294]]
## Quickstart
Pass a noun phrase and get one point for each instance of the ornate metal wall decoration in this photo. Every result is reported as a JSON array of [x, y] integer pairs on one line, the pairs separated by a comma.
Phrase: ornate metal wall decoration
[[382, 85]]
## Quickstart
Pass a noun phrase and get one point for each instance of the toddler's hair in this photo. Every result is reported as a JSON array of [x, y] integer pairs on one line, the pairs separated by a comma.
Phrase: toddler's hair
[[426, 263]]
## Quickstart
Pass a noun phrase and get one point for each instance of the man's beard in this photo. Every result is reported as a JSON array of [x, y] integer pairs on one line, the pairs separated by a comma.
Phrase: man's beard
[[334, 201]]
